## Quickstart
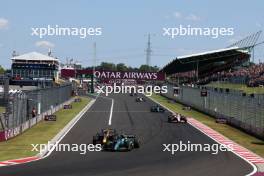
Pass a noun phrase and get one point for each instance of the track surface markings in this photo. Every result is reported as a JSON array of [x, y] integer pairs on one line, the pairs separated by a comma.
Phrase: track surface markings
[[241, 151], [18, 161], [111, 113]]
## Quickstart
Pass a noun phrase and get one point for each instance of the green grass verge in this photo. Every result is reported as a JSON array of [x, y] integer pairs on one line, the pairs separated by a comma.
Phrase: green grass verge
[[2, 109], [41, 133], [249, 142], [242, 87]]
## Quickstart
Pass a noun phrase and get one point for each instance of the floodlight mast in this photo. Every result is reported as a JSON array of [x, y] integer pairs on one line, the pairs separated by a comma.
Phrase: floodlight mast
[[148, 51], [94, 65]]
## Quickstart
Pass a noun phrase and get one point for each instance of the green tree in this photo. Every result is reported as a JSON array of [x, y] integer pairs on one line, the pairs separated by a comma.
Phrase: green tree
[[133, 69], [108, 66], [146, 68], [2, 70], [155, 68], [121, 67]]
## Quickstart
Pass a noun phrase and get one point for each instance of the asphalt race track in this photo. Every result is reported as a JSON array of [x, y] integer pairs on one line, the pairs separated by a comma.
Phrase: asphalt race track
[[149, 160]]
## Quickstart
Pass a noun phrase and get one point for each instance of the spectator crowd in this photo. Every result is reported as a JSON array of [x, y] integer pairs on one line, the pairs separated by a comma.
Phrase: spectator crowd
[[252, 75]]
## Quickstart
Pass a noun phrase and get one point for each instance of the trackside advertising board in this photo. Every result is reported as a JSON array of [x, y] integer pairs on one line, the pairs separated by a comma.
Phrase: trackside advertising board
[[102, 74], [129, 75]]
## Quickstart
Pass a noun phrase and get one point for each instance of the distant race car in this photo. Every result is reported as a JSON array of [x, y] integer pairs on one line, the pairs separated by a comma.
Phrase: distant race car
[[51, 117], [103, 136], [67, 106], [118, 142], [140, 99], [133, 94], [177, 118], [157, 108], [221, 120]]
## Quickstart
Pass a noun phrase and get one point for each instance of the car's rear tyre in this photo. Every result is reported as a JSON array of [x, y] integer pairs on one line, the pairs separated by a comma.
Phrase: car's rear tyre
[[136, 143], [130, 146], [95, 140]]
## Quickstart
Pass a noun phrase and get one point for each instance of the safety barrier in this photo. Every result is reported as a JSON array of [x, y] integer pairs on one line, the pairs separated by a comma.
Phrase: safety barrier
[[12, 132], [242, 111]]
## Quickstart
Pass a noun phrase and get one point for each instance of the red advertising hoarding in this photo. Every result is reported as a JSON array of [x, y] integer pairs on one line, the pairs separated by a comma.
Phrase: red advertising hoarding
[[107, 75]]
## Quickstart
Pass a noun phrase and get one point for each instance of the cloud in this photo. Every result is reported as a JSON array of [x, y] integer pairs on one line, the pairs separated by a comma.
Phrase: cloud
[[258, 25], [167, 17], [44, 44], [177, 15], [3, 23], [192, 17]]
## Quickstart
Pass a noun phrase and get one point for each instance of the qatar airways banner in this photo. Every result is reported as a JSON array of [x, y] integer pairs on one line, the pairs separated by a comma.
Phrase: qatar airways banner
[[129, 75], [109, 75]]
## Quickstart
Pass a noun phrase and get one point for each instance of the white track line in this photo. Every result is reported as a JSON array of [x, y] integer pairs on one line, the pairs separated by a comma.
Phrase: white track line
[[80, 115], [111, 113], [111, 109], [234, 152]]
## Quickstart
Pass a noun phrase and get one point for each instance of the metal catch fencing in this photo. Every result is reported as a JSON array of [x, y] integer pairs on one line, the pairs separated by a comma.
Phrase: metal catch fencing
[[3, 98], [21, 105], [244, 112]]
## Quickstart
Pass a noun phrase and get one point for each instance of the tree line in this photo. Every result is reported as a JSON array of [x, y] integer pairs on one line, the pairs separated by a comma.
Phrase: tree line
[[2, 70], [123, 67]]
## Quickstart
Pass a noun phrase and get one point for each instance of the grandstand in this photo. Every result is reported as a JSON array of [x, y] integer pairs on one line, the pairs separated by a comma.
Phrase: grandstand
[[201, 65], [32, 69], [231, 64], [252, 76]]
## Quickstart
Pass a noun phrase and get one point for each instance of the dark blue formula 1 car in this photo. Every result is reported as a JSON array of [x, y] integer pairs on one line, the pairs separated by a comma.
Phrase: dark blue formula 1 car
[[132, 94], [157, 108], [121, 143], [140, 99]]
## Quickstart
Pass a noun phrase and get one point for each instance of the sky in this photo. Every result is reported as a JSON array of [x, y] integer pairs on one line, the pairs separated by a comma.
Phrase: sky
[[125, 25]]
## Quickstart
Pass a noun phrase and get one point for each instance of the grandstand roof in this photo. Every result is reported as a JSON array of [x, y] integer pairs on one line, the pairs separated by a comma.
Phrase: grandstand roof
[[205, 59], [34, 56]]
